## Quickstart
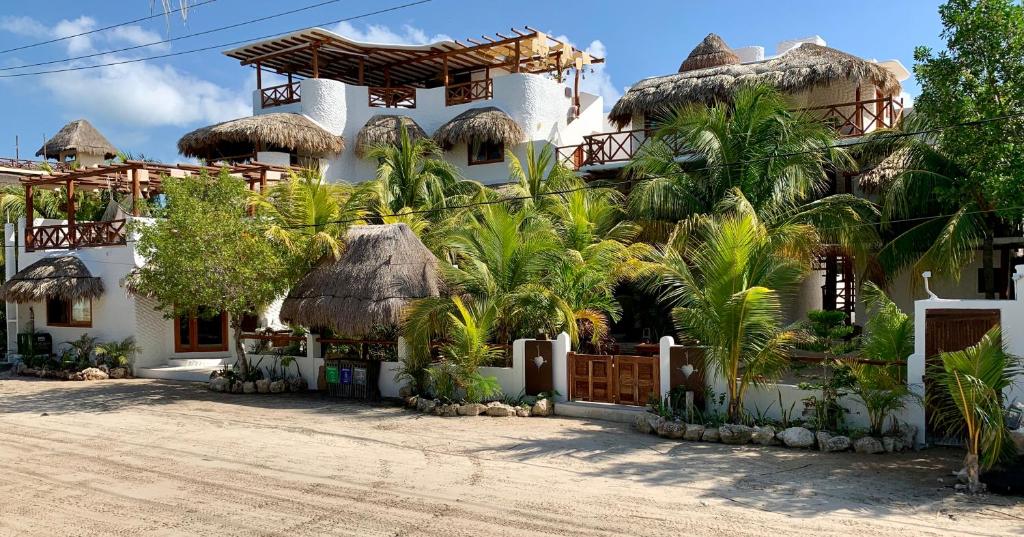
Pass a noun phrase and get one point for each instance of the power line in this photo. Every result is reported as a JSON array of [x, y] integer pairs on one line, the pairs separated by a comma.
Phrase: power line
[[105, 28], [213, 47], [170, 40]]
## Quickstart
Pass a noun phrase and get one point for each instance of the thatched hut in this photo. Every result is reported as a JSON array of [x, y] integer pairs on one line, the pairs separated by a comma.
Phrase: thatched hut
[[711, 52], [386, 129], [803, 68], [77, 138], [885, 171], [61, 277], [487, 124], [382, 269], [241, 138]]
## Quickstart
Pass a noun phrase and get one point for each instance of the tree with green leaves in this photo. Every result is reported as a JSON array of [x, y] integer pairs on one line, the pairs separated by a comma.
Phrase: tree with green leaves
[[206, 255]]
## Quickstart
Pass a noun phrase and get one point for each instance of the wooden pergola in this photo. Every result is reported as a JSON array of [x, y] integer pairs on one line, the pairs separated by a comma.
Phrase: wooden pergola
[[140, 179], [319, 53]]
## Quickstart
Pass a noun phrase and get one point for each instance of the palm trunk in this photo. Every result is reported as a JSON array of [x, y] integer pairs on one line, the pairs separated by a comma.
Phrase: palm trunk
[[241, 359], [973, 471]]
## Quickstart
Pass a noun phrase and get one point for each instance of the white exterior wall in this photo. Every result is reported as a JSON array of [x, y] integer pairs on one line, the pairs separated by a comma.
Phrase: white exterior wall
[[538, 104]]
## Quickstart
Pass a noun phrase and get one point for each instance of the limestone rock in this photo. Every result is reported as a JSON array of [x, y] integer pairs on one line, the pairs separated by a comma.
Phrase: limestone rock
[[908, 433], [263, 386], [838, 443], [823, 438], [523, 411], [543, 407], [797, 437], [448, 411], [405, 391], [735, 434], [672, 429], [118, 373], [93, 373], [764, 435], [472, 409], [249, 387], [297, 384], [711, 434], [693, 431], [219, 384], [425, 405], [647, 423], [410, 401], [888, 444], [868, 445], [500, 410]]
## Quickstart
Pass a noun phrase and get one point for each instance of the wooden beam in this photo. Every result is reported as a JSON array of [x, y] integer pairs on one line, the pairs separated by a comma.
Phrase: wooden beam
[[259, 76], [515, 68], [362, 71], [275, 54], [136, 190], [30, 212], [316, 59], [70, 191]]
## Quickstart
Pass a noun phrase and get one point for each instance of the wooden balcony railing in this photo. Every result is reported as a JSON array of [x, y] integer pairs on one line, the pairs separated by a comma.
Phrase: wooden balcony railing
[[278, 95], [848, 119], [79, 235], [39, 165], [397, 97], [467, 92], [857, 118]]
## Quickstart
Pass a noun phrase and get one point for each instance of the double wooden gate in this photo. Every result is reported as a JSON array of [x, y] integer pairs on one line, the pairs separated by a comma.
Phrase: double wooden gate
[[625, 380]]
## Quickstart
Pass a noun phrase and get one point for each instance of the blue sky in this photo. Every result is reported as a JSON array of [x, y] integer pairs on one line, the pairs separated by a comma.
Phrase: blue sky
[[144, 107]]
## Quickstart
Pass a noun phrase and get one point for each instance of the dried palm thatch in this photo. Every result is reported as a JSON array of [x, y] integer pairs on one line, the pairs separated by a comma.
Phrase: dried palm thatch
[[64, 277], [802, 68], [382, 269], [78, 136], [487, 124], [280, 131], [386, 129], [711, 52], [885, 171]]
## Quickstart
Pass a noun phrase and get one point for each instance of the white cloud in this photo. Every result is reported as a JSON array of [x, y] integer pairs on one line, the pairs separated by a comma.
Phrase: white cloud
[[137, 35], [377, 33], [81, 44], [24, 26], [599, 82]]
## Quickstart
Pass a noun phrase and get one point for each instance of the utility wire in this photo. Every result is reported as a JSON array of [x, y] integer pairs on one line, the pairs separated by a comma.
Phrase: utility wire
[[105, 28], [213, 47], [170, 40]]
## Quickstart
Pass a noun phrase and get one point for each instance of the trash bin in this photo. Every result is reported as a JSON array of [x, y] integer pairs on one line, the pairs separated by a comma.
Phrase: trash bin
[[352, 379], [35, 344]]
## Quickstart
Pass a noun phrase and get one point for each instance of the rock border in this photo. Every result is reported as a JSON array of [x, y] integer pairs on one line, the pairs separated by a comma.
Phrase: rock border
[[767, 435], [495, 409], [100, 372], [225, 385]]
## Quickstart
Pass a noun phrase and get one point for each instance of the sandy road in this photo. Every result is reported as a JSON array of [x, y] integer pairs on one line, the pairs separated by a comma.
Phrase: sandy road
[[157, 458]]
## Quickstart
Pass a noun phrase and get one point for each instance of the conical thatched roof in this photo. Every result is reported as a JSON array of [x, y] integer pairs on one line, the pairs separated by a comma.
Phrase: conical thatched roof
[[386, 129], [886, 170], [487, 124], [281, 131], [382, 269], [711, 52], [64, 277], [802, 68], [79, 136]]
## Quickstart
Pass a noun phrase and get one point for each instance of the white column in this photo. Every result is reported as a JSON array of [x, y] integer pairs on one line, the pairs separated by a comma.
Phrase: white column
[[313, 354], [665, 364], [10, 269], [560, 365], [1018, 281], [914, 411], [519, 361]]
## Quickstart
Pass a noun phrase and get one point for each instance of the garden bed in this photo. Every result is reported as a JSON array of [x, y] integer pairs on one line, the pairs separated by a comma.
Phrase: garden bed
[[101, 372], [496, 409], [224, 384]]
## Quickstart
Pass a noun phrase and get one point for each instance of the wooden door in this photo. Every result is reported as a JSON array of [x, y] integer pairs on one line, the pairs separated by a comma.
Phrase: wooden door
[[636, 379], [539, 378], [590, 378], [951, 330]]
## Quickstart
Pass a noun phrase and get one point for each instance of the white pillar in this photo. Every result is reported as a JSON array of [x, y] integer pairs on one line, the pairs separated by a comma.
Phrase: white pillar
[[1018, 281], [313, 354], [665, 364], [10, 269], [914, 411], [560, 365], [519, 361]]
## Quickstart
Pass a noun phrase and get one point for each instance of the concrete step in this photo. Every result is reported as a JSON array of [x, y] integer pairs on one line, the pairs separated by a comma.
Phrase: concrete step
[[599, 411], [199, 362], [169, 372]]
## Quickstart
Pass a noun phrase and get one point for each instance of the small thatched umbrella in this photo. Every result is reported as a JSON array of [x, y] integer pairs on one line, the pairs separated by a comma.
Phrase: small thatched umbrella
[[239, 138], [64, 277], [487, 124], [382, 269], [802, 68], [78, 136], [711, 52], [386, 129]]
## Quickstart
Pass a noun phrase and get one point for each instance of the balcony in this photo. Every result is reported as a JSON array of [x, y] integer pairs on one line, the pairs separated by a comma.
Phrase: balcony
[[76, 235], [280, 95], [848, 119], [396, 97], [467, 92]]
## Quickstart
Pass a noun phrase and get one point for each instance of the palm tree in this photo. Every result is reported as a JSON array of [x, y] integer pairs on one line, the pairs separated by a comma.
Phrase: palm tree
[[948, 213], [970, 402], [540, 175], [753, 143], [724, 280]]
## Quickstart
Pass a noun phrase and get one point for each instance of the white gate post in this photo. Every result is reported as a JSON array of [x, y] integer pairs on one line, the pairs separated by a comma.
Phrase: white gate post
[[314, 354], [665, 364], [560, 365]]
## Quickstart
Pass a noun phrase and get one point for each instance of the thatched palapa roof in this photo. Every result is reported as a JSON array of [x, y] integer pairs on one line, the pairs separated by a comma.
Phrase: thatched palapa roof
[[64, 277], [711, 52], [79, 136], [802, 68], [386, 129], [280, 131], [885, 171], [487, 124], [382, 269]]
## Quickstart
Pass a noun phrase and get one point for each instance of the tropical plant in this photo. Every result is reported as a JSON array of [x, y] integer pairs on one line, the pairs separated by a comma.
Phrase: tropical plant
[[540, 175], [724, 284], [968, 400], [118, 353], [83, 347]]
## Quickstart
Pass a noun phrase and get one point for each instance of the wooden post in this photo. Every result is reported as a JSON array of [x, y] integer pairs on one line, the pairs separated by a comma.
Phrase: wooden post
[[70, 190], [136, 191], [259, 76], [859, 117], [387, 77], [29, 217], [362, 71], [316, 60], [576, 92], [515, 68], [444, 71]]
